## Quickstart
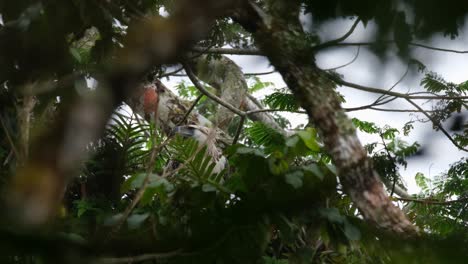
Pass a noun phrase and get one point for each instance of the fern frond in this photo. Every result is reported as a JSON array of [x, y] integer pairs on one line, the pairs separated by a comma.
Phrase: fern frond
[[281, 101], [197, 165], [264, 135], [434, 83]]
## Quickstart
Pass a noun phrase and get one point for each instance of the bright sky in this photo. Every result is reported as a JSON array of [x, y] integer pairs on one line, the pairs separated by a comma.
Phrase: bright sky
[[368, 70]]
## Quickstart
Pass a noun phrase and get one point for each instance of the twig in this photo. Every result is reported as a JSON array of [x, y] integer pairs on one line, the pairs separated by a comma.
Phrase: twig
[[391, 93], [346, 64], [393, 42], [274, 110], [166, 74], [436, 124], [400, 110], [239, 130], [255, 101], [429, 201], [139, 258], [10, 140], [320, 47], [230, 51], [340, 39], [259, 73], [381, 97], [190, 109]]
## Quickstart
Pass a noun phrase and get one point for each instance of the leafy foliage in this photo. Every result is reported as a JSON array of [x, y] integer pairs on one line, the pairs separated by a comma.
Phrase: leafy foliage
[[277, 202], [282, 101]]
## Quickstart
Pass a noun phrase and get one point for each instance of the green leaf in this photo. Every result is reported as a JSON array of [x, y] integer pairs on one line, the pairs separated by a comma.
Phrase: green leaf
[[84, 206], [351, 232], [315, 170], [245, 150], [309, 138], [264, 135], [76, 54], [294, 179], [208, 188], [333, 215], [135, 221], [281, 101], [113, 220], [236, 184], [421, 181], [368, 127]]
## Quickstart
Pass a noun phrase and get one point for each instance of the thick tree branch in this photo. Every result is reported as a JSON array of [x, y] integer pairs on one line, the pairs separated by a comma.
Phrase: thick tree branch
[[315, 93], [213, 97]]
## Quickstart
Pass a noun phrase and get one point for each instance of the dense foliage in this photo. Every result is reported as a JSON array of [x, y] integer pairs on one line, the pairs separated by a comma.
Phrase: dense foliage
[[146, 195]]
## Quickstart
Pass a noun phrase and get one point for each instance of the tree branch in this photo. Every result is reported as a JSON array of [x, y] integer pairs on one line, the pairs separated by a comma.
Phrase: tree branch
[[430, 201], [346, 64], [140, 258], [340, 39], [213, 97], [437, 124], [316, 94], [347, 44], [229, 51], [391, 93]]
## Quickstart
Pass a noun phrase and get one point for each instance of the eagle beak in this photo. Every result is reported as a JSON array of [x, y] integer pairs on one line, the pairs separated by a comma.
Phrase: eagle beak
[[183, 131]]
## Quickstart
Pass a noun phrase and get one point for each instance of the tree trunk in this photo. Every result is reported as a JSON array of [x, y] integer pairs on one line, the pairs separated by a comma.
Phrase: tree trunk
[[283, 41]]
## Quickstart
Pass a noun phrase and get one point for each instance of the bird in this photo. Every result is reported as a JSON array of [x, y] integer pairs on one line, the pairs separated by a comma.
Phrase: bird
[[205, 136]]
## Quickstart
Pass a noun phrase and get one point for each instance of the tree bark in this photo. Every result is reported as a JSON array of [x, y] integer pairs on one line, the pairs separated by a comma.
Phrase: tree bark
[[283, 41]]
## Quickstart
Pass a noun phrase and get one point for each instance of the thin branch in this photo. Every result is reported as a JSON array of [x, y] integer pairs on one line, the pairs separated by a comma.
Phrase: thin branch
[[213, 97], [340, 39], [382, 97], [438, 49], [432, 202], [347, 44], [10, 140], [255, 101], [166, 74], [190, 109], [239, 130], [330, 44], [370, 107], [274, 110], [436, 124], [259, 73], [139, 258], [229, 51], [391, 93], [400, 110], [346, 64]]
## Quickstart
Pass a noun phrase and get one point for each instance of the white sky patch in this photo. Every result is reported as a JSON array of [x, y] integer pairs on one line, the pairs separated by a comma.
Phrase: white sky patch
[[163, 12]]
